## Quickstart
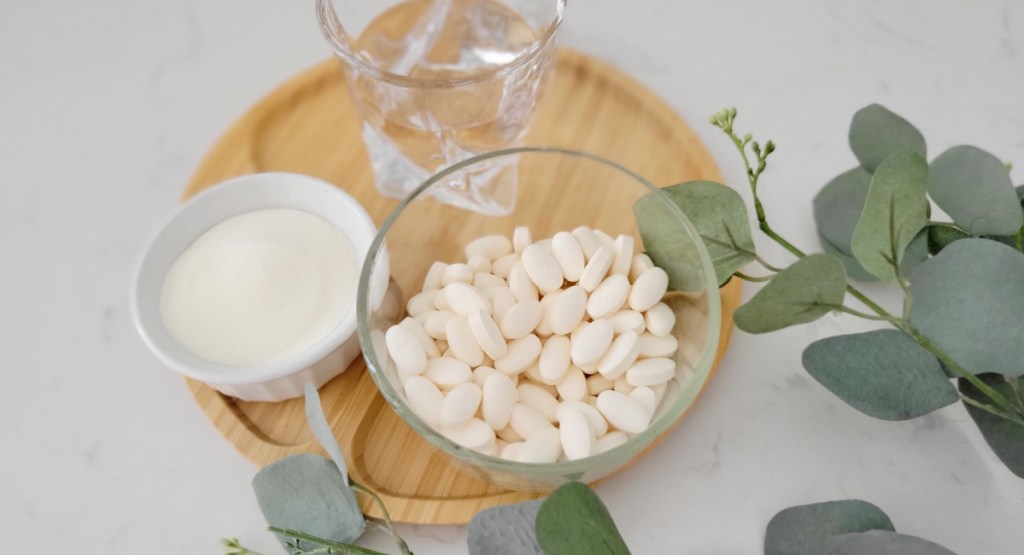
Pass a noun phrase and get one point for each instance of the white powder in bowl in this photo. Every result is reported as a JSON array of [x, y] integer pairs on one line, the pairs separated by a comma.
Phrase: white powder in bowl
[[259, 287]]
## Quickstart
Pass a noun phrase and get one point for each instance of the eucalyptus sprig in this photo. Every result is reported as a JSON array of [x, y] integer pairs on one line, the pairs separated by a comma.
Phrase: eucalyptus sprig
[[963, 308]]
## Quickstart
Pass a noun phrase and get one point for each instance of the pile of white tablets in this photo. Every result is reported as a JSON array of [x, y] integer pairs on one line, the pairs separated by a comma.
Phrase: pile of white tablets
[[539, 351]]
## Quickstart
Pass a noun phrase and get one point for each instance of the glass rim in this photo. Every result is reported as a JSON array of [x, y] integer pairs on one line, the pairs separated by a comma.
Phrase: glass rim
[[328, 19], [634, 445]]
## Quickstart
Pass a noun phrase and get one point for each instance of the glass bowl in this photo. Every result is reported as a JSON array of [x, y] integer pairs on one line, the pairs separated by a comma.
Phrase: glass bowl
[[556, 190]]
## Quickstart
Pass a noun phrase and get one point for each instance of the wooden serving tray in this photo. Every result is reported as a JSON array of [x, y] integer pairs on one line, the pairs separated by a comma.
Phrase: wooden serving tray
[[309, 125]]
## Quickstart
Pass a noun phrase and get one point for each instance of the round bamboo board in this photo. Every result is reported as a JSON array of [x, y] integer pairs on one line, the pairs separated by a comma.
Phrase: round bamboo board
[[309, 125]]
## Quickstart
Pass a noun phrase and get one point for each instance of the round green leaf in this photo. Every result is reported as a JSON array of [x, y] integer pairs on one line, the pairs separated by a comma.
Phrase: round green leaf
[[838, 206], [974, 188], [895, 211], [573, 520], [1004, 437], [307, 492], [804, 529], [505, 530], [969, 300], [720, 217], [876, 133], [853, 268], [882, 373], [882, 542], [803, 292]]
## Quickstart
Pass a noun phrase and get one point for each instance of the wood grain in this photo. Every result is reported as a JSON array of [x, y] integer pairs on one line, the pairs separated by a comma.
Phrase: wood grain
[[309, 125]]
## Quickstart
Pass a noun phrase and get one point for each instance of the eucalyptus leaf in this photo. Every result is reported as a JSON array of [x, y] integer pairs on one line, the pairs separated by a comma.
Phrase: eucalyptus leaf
[[804, 529], [853, 268], [895, 211], [803, 292], [941, 236], [1006, 438], [307, 492], [838, 206], [505, 530], [882, 373], [322, 430], [968, 300], [573, 520], [876, 133], [974, 188], [882, 542], [720, 217]]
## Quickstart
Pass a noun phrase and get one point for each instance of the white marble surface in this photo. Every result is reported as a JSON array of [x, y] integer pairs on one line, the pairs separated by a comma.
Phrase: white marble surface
[[107, 106]]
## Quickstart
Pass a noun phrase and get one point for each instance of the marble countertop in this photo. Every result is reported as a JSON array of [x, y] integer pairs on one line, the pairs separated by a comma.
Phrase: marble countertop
[[106, 107]]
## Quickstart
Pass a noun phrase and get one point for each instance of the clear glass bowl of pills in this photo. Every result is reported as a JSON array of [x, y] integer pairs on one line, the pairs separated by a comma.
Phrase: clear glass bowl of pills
[[542, 345]]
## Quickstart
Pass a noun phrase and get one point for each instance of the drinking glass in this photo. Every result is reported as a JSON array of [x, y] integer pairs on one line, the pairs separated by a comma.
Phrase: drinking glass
[[439, 81]]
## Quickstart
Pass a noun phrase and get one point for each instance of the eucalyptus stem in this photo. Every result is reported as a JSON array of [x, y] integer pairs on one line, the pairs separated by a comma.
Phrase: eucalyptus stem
[[864, 315], [985, 407], [233, 547], [402, 546], [340, 547]]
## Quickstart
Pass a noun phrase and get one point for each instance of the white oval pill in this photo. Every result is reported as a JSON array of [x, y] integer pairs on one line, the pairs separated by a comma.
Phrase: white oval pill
[[623, 255], [429, 347], [457, 273], [648, 289], [421, 302], [461, 343], [573, 386], [436, 324], [521, 354], [645, 397], [527, 421], [486, 280], [424, 399], [628, 320], [511, 451], [501, 302], [620, 356], [465, 299], [475, 435], [405, 350], [521, 238], [487, 334], [499, 396], [480, 264], [542, 268], [606, 240], [596, 268], [546, 304], [521, 285], [576, 436], [521, 319], [608, 297], [597, 422], [622, 412], [568, 310], [460, 404], [592, 343], [652, 346], [641, 263], [568, 254], [587, 239], [660, 320], [433, 278], [492, 246], [554, 359], [481, 373], [538, 398], [543, 447], [502, 266], [651, 371], [447, 372], [609, 441]]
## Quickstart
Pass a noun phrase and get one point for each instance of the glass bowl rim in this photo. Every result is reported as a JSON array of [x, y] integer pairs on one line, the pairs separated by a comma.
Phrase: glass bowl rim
[[632, 447]]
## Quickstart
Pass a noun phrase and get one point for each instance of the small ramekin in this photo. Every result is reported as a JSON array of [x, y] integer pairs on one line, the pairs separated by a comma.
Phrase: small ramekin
[[282, 379]]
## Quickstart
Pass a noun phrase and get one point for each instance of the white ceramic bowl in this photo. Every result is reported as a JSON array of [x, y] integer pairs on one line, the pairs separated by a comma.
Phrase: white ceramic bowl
[[281, 379]]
